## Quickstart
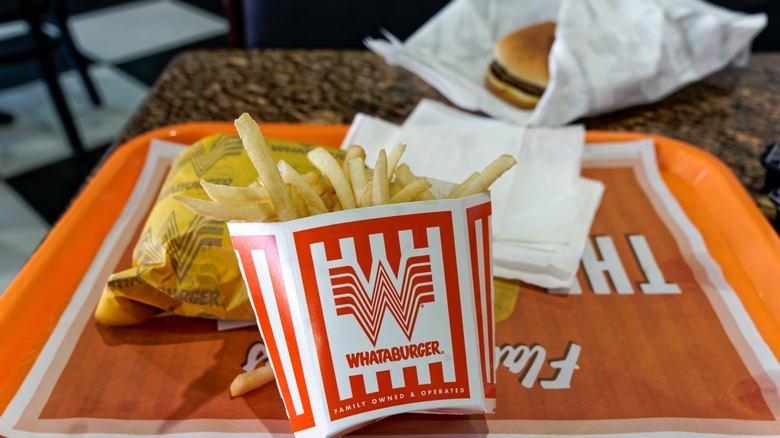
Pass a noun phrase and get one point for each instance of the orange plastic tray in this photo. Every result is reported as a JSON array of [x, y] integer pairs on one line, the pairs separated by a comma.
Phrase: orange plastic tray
[[737, 235]]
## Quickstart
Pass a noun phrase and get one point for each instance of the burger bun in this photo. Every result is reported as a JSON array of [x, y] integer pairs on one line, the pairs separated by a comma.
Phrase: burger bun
[[520, 71]]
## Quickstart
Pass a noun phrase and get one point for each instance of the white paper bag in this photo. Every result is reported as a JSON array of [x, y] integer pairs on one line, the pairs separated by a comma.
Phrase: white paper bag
[[607, 55]]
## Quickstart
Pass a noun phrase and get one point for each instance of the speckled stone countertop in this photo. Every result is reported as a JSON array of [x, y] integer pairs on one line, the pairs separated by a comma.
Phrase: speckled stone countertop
[[733, 114]]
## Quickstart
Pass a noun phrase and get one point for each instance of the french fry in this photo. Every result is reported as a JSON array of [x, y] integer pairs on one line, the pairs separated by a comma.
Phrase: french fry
[[395, 187], [251, 380], [234, 194], [411, 191], [405, 175], [299, 204], [394, 158], [460, 188], [329, 167], [267, 173], [329, 199], [221, 211], [489, 175], [380, 191], [323, 186], [313, 211], [304, 190], [357, 173], [282, 193], [312, 177], [320, 185], [365, 197], [353, 151]]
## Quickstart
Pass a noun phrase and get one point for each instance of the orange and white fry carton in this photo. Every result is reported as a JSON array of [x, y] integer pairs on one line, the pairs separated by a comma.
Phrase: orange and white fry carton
[[375, 311]]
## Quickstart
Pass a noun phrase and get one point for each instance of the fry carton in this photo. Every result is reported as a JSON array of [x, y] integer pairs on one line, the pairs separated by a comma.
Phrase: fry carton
[[375, 311]]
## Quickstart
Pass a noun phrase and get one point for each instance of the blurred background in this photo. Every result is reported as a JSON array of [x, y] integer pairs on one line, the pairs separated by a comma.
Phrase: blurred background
[[125, 44]]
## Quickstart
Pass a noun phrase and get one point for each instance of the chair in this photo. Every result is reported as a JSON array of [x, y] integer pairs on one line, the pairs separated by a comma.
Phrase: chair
[[337, 24], [37, 13]]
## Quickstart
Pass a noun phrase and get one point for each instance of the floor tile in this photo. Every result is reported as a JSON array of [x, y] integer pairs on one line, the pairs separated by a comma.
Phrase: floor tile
[[35, 137], [49, 190], [39, 174], [139, 29], [22, 232]]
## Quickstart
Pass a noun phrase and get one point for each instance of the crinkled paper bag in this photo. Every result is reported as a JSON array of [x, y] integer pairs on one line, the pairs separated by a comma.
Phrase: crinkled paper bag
[[607, 55]]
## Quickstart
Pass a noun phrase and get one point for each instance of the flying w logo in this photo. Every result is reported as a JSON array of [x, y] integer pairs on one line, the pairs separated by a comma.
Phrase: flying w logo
[[202, 160], [177, 246], [351, 296], [367, 300]]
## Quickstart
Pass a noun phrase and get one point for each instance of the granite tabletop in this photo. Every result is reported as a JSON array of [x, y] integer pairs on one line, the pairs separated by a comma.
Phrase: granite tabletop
[[733, 114]]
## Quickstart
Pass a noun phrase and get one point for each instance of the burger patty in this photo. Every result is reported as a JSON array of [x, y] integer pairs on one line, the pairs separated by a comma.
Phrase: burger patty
[[525, 87]]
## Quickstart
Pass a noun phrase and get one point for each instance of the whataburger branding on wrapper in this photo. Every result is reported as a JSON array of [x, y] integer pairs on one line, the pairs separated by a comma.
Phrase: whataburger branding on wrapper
[[374, 312], [178, 266]]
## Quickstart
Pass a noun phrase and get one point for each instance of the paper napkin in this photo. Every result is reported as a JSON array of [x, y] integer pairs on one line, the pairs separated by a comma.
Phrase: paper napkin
[[542, 208]]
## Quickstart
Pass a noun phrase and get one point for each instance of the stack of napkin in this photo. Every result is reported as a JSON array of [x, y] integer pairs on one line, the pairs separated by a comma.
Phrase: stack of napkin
[[542, 207]]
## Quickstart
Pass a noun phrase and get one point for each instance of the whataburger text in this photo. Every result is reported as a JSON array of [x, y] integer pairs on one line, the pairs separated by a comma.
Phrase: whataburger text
[[393, 354], [281, 193]]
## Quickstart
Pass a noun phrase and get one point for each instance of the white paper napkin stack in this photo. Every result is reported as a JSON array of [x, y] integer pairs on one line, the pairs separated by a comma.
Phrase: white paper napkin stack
[[542, 208], [608, 54]]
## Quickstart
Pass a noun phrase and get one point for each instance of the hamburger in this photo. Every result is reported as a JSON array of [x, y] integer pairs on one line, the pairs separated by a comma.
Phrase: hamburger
[[519, 72]]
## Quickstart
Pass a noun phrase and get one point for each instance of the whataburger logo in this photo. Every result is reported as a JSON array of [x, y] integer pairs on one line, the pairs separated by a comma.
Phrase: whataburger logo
[[367, 300], [401, 296], [386, 294]]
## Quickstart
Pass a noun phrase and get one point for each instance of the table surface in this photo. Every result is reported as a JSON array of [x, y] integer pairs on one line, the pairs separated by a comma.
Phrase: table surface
[[733, 114]]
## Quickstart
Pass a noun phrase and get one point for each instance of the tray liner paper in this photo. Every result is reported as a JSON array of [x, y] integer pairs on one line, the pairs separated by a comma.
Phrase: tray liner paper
[[650, 339]]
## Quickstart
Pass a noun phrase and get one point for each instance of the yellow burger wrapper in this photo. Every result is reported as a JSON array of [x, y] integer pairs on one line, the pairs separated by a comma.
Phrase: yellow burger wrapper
[[183, 263]]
